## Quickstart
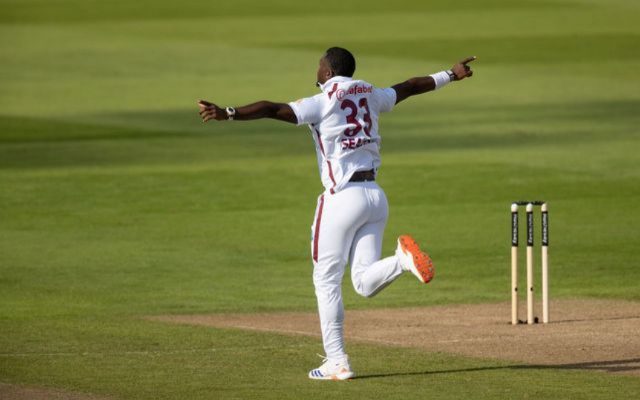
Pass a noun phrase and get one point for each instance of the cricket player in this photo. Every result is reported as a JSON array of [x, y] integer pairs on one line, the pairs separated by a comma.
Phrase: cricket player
[[352, 212]]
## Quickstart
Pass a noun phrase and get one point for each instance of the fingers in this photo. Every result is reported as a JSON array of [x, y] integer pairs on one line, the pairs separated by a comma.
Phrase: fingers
[[203, 105], [468, 60], [467, 73], [209, 114], [462, 70], [208, 111], [208, 117]]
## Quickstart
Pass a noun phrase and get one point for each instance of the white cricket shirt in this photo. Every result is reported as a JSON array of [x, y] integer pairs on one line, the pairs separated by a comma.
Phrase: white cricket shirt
[[344, 122]]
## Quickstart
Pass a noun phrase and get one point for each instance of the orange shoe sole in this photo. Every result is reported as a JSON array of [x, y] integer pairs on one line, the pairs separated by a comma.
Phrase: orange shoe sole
[[421, 260]]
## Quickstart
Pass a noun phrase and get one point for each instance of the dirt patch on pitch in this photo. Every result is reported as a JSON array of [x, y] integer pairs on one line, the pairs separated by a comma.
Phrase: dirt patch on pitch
[[584, 334], [17, 392]]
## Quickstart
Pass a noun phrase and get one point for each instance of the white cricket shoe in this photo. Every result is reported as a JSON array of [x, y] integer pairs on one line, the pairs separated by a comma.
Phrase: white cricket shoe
[[414, 260], [333, 369]]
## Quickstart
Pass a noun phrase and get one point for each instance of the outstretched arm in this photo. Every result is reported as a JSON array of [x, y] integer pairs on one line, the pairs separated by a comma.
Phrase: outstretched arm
[[261, 109], [425, 84]]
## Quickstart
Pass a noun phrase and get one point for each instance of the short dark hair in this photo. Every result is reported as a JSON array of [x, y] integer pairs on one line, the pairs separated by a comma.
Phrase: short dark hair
[[341, 61]]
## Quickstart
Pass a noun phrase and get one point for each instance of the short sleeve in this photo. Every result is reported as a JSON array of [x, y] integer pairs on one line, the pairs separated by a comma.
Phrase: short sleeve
[[308, 110], [385, 98]]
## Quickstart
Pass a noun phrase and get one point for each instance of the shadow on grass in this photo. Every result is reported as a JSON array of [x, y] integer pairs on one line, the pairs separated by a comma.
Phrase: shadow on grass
[[128, 138], [628, 365], [444, 128]]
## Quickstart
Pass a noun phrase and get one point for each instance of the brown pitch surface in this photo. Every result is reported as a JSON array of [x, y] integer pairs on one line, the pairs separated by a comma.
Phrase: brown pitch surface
[[583, 334], [18, 392]]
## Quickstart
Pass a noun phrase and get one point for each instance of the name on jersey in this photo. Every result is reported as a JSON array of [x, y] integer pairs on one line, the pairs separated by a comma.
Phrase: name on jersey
[[357, 89], [354, 143]]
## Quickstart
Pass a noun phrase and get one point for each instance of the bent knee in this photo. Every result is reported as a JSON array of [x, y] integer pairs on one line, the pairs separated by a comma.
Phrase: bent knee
[[363, 291]]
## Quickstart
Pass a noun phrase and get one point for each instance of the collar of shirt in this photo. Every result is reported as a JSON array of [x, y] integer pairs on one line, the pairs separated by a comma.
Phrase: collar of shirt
[[327, 85]]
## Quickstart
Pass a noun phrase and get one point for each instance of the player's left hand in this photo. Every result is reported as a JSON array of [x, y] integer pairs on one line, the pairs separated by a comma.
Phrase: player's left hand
[[462, 70], [209, 111]]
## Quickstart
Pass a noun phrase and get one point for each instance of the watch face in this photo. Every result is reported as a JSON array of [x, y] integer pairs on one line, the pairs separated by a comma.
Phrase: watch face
[[231, 112]]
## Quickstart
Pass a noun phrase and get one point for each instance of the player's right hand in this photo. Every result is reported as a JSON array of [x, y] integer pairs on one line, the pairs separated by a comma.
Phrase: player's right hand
[[209, 111]]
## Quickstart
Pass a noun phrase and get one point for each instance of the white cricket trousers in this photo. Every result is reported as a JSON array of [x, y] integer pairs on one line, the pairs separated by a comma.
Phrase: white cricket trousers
[[348, 226]]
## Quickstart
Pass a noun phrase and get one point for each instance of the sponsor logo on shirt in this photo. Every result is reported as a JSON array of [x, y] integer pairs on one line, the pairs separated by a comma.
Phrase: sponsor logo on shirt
[[357, 89]]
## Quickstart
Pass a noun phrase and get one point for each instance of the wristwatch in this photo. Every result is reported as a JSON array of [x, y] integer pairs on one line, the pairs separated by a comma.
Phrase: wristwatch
[[452, 76], [231, 112]]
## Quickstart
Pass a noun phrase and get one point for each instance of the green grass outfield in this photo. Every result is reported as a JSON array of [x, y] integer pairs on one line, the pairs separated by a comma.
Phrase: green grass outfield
[[116, 202]]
